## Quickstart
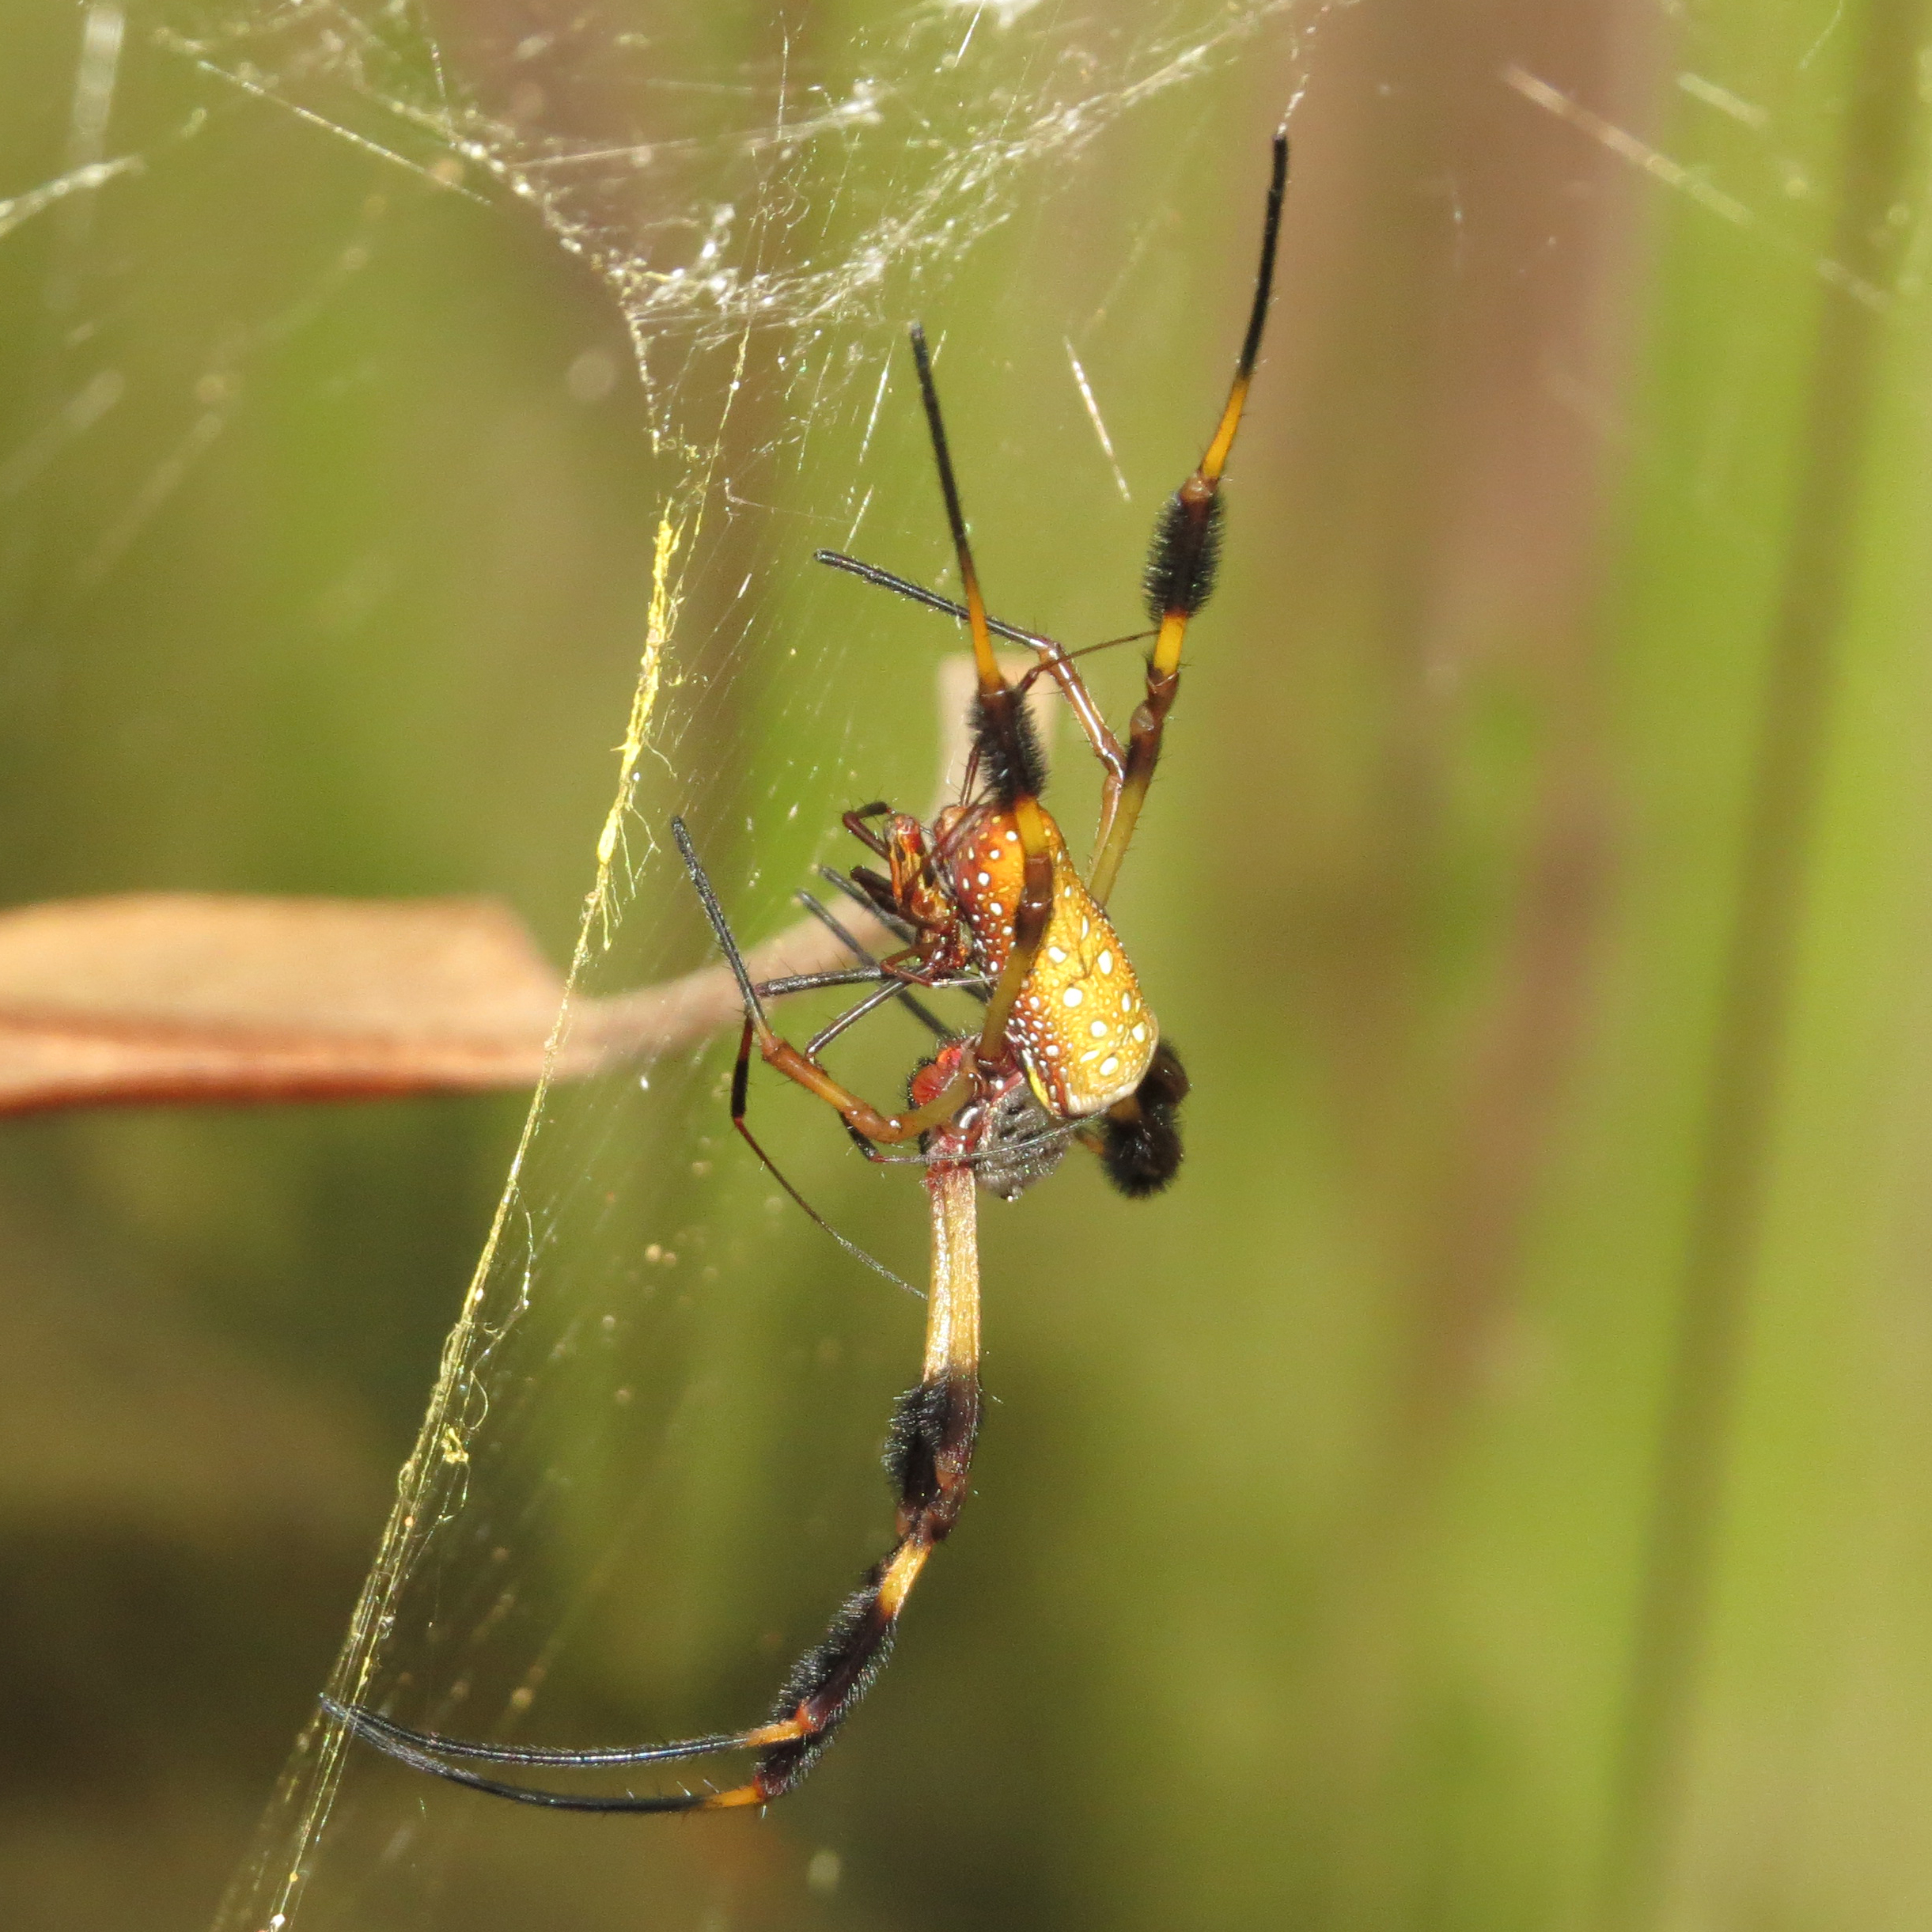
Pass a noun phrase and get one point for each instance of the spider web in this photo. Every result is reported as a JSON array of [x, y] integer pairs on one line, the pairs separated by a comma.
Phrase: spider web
[[765, 205], [646, 1468]]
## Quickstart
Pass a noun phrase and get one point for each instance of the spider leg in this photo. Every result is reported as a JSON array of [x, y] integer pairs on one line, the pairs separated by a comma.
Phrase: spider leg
[[882, 996], [426, 1752], [1002, 736], [817, 981], [854, 823], [384, 1732], [928, 1456], [858, 894], [741, 1100], [981, 990], [1054, 659], [892, 1129], [806, 982], [904, 587], [1180, 568], [1045, 1137], [923, 1014]]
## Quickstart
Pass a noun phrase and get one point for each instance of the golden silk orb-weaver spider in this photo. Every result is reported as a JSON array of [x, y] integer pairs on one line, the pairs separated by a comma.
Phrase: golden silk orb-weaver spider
[[988, 901]]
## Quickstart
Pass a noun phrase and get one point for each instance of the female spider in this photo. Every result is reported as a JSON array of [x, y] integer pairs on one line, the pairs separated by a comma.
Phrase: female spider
[[986, 900]]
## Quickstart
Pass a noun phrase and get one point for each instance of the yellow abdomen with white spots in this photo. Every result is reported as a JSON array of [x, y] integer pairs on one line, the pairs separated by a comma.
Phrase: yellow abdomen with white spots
[[1083, 1031]]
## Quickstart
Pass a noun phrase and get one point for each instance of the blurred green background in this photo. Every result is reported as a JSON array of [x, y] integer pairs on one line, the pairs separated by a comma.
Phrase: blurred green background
[[1491, 1490]]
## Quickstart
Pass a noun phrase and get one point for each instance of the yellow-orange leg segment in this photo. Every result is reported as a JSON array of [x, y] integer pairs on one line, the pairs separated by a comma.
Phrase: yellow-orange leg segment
[[863, 1118], [1180, 568]]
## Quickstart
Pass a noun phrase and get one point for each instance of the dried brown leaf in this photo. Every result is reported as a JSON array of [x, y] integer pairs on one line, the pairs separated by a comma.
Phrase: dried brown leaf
[[188, 997]]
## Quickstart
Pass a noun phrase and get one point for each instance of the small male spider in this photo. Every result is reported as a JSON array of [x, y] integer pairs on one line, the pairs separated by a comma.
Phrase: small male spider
[[987, 900]]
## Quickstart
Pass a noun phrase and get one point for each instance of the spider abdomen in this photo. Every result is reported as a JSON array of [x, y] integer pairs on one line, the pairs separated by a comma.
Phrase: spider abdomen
[[1082, 1028]]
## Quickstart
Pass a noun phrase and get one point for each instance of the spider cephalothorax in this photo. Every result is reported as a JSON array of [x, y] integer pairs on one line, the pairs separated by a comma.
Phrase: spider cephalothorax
[[987, 902]]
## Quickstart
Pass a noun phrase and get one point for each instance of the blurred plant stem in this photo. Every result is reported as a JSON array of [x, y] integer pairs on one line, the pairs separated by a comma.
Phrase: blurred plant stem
[[1754, 993]]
